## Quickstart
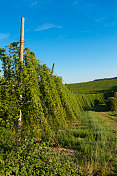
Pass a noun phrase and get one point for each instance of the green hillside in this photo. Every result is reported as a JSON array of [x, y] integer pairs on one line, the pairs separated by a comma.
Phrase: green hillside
[[95, 92], [101, 86]]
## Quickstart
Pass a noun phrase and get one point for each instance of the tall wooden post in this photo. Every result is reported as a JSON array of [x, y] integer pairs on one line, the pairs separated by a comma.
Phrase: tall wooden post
[[53, 68], [21, 63], [22, 39]]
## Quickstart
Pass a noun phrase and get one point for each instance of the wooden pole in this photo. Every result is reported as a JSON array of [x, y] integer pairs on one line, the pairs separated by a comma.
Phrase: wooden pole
[[21, 62], [53, 68], [22, 39]]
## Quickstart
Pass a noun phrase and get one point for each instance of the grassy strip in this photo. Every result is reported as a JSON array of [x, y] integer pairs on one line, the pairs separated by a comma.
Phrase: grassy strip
[[110, 119], [95, 142]]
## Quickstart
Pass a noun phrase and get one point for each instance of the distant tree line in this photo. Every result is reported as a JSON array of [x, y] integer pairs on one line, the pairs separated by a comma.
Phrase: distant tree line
[[105, 79]]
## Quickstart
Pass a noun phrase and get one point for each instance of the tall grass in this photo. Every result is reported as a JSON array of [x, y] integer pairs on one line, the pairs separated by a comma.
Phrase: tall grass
[[95, 142]]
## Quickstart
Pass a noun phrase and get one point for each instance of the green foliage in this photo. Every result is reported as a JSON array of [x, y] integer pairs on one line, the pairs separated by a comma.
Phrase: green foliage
[[49, 122], [94, 154], [46, 104], [33, 158], [112, 103], [90, 100], [115, 94], [93, 93], [102, 86], [68, 99]]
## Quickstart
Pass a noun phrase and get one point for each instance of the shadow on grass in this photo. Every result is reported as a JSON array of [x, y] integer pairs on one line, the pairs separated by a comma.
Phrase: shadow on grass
[[99, 108], [107, 92]]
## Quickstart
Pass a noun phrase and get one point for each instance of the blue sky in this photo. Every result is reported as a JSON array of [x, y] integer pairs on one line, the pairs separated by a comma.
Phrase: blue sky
[[79, 36]]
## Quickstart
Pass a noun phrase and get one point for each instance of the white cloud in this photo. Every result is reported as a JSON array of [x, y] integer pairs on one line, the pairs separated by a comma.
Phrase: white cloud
[[34, 3], [47, 26], [3, 36]]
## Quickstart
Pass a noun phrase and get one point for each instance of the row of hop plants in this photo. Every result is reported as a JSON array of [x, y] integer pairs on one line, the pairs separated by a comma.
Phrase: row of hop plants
[[94, 93], [90, 100], [47, 105]]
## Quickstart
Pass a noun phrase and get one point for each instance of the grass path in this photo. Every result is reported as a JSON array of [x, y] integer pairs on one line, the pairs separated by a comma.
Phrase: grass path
[[94, 137], [110, 119]]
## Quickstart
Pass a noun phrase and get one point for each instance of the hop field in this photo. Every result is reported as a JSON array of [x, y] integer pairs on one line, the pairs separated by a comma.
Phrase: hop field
[[63, 132]]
